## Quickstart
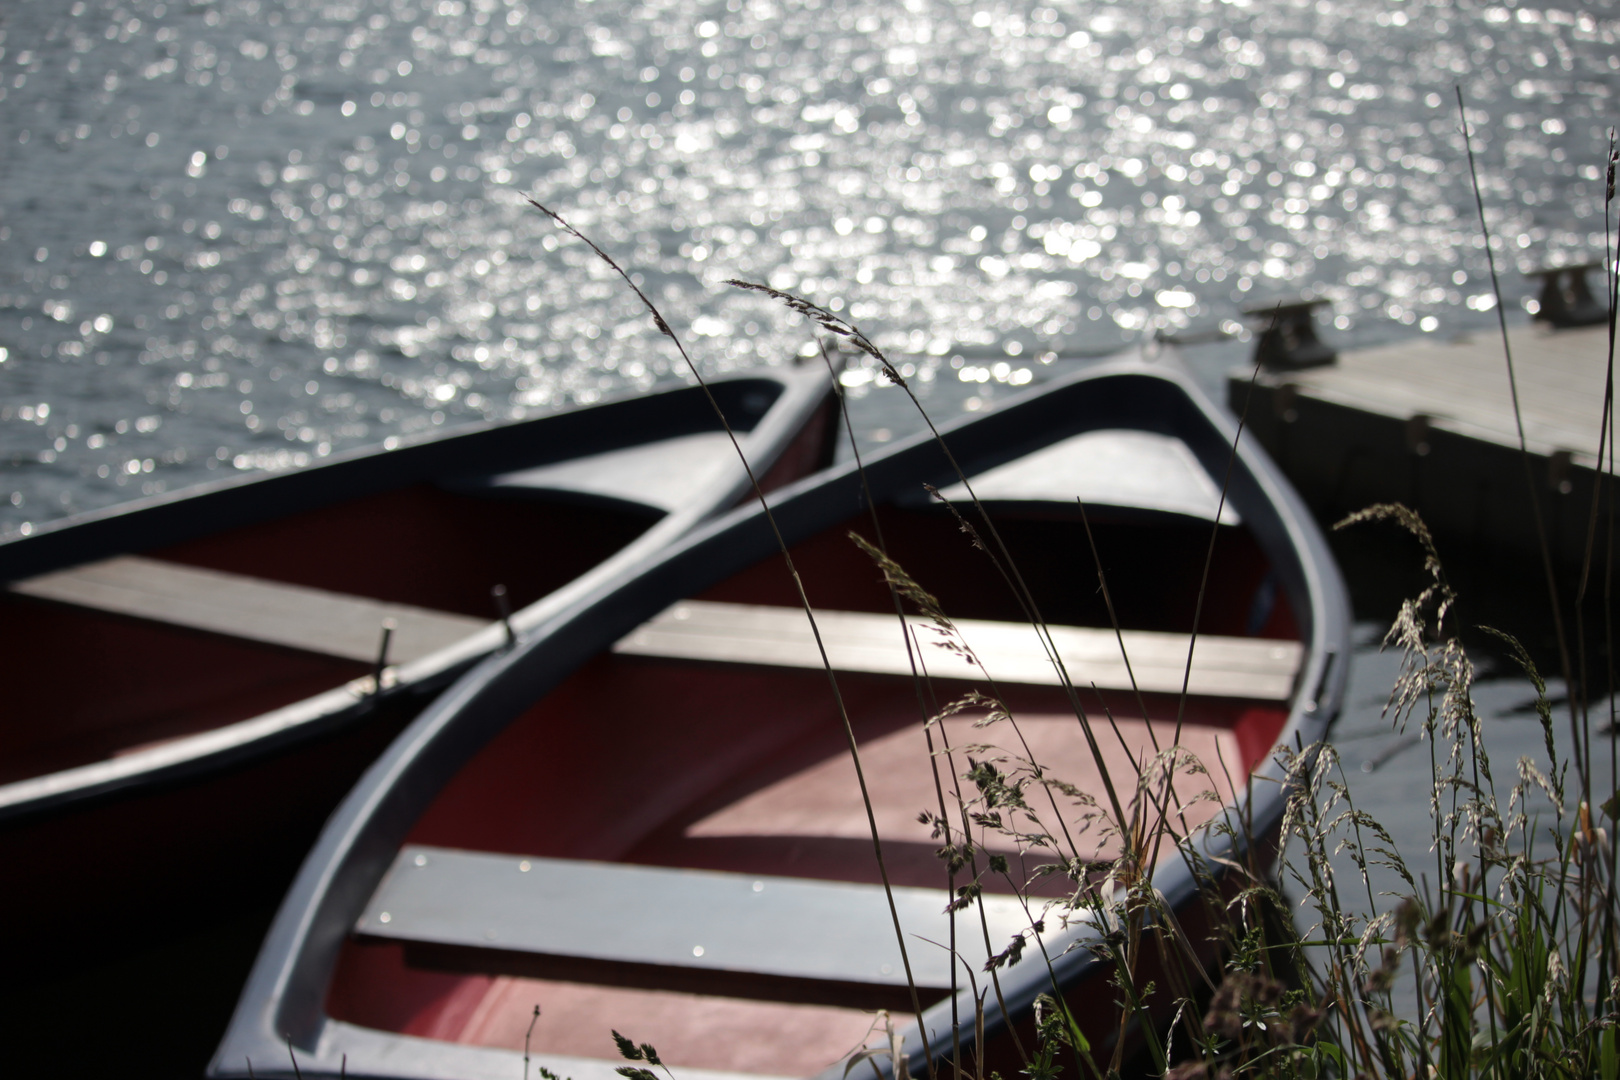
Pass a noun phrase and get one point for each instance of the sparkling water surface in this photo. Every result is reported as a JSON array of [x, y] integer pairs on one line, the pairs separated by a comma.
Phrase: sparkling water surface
[[244, 235]]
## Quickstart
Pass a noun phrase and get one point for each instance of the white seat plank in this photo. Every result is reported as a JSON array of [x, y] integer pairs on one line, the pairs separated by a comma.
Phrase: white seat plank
[[691, 921], [1257, 668], [313, 620]]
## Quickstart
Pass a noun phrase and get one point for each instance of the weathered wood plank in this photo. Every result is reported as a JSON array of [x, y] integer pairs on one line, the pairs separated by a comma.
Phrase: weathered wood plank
[[691, 923], [293, 616], [1263, 669], [1463, 386], [1464, 389]]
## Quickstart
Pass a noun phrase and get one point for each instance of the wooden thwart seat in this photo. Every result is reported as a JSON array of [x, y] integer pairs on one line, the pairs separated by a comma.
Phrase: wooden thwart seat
[[253, 609], [699, 931], [1258, 668]]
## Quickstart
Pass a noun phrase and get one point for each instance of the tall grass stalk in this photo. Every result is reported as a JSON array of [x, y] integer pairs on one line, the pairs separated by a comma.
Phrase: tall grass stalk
[[664, 328], [1534, 495], [1001, 558], [1508, 935], [1142, 846]]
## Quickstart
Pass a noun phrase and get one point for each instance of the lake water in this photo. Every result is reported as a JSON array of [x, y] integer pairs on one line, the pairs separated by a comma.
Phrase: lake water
[[243, 235]]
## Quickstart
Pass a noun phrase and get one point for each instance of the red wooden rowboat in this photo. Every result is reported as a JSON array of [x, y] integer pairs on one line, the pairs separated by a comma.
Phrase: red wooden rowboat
[[193, 680], [645, 818]]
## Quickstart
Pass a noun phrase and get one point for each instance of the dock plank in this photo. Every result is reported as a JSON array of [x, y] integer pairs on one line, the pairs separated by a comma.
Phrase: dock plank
[[1466, 389], [1462, 386]]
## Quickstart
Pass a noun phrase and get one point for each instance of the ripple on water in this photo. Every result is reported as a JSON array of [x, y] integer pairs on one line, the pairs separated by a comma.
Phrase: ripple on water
[[247, 235]]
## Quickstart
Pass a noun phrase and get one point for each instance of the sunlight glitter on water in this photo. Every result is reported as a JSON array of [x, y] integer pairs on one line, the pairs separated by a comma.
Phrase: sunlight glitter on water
[[245, 235]]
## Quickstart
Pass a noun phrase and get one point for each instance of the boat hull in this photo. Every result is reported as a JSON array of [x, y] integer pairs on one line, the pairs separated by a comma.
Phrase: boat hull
[[409, 795]]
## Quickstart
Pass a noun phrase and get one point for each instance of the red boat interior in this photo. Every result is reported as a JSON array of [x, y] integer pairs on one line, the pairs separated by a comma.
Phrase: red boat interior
[[744, 768], [89, 684], [93, 681]]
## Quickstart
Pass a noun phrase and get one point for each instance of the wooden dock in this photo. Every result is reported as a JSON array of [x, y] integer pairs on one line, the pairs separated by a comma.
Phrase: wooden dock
[[1431, 424]]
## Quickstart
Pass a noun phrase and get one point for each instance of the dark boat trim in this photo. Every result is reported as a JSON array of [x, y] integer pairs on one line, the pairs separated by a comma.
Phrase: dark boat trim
[[616, 424], [169, 518], [283, 998]]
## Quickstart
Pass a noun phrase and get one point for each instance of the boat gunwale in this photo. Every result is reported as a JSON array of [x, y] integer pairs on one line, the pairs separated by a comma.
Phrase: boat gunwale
[[254, 498]]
